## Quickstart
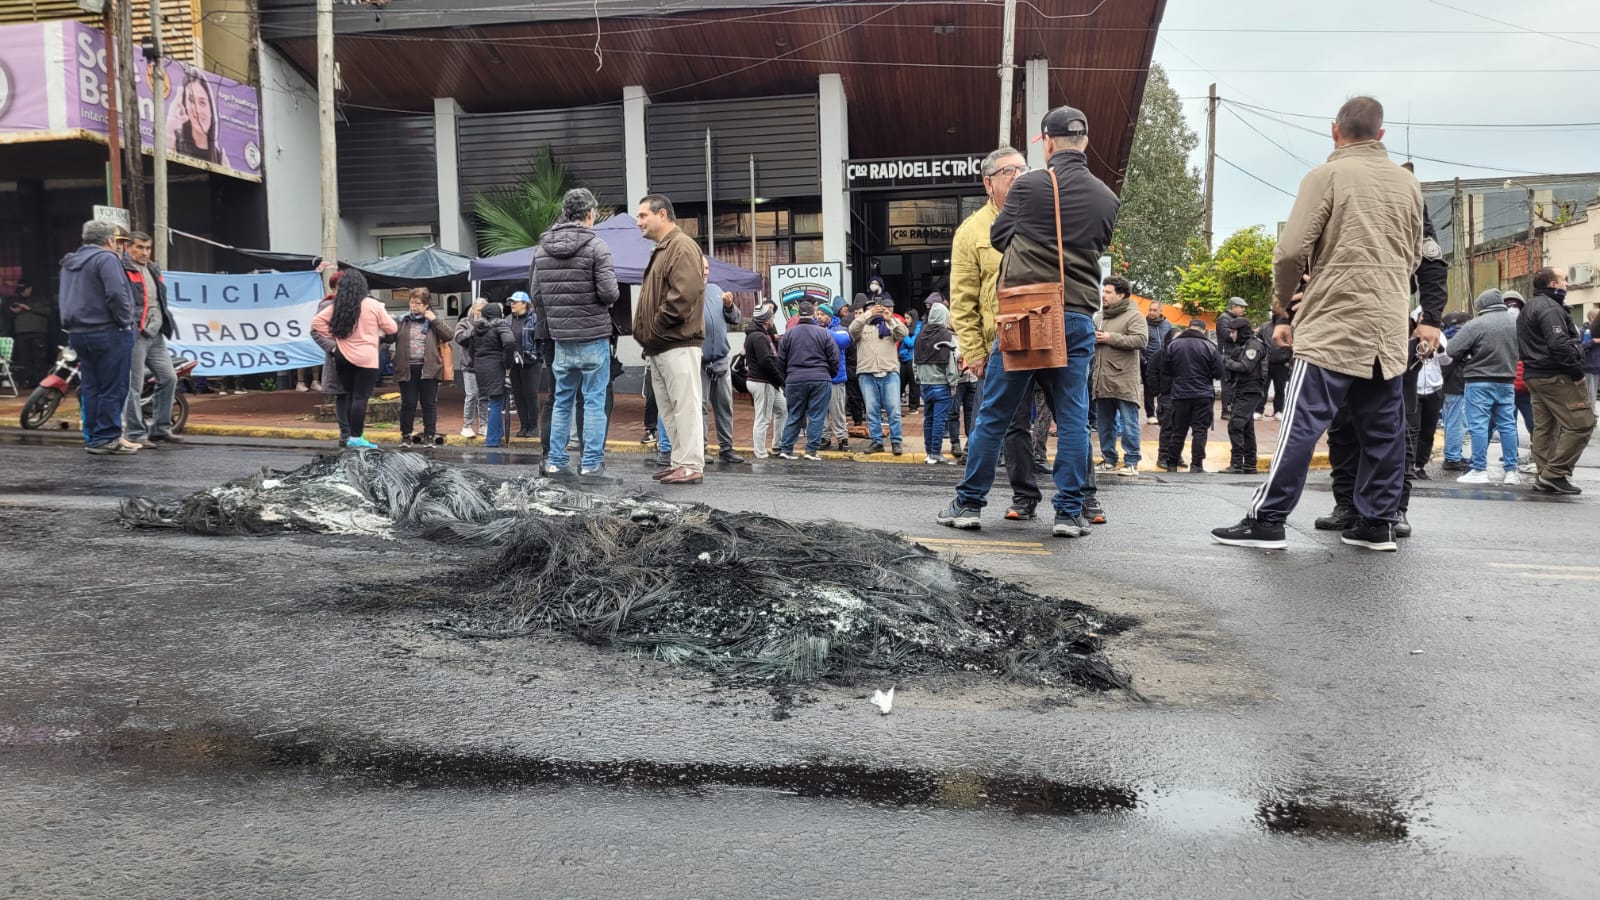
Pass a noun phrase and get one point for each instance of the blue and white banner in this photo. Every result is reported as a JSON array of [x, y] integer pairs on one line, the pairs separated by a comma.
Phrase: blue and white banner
[[244, 324]]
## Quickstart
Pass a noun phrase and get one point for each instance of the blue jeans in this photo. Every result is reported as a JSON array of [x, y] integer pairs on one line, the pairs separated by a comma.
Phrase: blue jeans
[[1118, 417], [1004, 391], [1492, 404], [1455, 426], [585, 364], [104, 361], [882, 393], [494, 432], [808, 402], [937, 399]]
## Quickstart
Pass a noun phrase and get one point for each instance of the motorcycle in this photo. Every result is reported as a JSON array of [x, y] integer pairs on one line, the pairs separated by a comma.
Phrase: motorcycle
[[63, 380]]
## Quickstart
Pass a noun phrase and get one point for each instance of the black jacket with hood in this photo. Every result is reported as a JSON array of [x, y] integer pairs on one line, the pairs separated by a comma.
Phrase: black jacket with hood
[[1548, 339], [1192, 363], [96, 294], [573, 284], [760, 356], [1025, 230], [1247, 363], [489, 347]]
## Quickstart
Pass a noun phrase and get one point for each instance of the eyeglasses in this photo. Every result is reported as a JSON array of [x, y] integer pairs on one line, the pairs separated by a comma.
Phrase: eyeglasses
[[1008, 170]]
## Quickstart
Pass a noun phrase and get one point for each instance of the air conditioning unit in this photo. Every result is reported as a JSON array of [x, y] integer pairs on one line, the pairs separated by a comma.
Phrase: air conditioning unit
[[1581, 274]]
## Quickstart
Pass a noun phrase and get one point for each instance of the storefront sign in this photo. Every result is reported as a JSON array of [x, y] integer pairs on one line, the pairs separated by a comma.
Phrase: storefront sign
[[54, 85], [244, 324], [921, 236], [922, 171], [794, 282]]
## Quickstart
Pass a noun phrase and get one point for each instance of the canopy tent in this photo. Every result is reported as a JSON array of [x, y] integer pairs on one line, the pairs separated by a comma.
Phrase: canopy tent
[[630, 253], [437, 270]]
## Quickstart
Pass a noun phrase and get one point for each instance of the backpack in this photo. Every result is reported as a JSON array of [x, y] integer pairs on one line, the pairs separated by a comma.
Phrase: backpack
[[739, 369]]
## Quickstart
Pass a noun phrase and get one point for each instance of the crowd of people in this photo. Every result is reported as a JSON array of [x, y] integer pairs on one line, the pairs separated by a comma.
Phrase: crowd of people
[[1344, 355]]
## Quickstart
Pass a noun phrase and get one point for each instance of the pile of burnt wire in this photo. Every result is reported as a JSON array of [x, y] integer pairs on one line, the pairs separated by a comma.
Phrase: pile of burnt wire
[[737, 593]]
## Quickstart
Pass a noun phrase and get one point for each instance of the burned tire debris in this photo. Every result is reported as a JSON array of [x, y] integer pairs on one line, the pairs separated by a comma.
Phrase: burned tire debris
[[741, 594]]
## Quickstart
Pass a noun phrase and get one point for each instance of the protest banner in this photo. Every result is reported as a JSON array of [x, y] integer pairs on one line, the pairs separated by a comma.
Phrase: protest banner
[[245, 324]]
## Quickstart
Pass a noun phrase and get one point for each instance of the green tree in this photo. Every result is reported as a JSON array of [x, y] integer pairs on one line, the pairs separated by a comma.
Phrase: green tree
[[1163, 203], [515, 217], [1241, 267]]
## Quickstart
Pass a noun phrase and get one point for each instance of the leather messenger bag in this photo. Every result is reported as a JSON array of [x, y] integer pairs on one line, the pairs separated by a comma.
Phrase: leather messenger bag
[[1031, 320]]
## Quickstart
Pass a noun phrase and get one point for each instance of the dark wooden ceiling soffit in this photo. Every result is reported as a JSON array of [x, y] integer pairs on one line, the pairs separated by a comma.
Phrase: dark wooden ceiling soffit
[[919, 78]]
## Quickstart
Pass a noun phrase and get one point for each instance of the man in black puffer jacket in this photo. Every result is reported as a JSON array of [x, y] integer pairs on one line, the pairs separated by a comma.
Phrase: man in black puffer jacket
[[574, 286], [1191, 364], [1552, 365]]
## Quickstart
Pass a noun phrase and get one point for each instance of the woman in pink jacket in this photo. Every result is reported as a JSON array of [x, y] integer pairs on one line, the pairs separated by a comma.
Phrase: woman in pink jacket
[[351, 329]]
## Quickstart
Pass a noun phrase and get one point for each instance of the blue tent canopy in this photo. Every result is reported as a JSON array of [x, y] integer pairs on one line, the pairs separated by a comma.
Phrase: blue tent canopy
[[630, 253]]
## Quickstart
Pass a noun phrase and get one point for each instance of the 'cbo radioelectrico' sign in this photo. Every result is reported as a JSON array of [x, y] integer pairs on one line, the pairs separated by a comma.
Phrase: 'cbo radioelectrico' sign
[[921, 171]]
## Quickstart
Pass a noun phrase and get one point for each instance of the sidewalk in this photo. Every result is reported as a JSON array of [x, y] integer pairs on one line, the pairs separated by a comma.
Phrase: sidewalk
[[291, 415]]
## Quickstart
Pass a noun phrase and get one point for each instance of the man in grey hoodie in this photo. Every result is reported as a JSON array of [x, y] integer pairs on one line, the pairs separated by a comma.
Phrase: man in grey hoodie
[[716, 378], [1485, 349], [99, 313]]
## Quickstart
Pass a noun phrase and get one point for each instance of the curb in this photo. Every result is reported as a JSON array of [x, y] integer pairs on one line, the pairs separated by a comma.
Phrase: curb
[[1319, 460]]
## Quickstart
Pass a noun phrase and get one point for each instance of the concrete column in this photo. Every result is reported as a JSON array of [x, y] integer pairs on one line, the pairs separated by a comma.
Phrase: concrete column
[[455, 220], [1036, 80], [833, 131], [635, 151]]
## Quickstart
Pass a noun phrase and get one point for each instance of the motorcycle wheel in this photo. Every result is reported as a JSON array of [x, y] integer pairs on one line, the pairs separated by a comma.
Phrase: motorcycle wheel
[[40, 407], [180, 412]]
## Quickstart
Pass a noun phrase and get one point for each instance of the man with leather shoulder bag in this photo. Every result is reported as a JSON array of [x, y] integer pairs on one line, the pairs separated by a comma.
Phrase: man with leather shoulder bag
[[1054, 226]]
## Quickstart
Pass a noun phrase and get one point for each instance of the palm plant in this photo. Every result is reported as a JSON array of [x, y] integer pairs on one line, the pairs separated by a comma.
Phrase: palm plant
[[515, 217]]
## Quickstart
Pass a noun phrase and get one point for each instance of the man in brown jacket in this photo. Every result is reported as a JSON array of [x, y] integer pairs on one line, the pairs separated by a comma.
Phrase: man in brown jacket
[[1352, 240], [670, 326], [1116, 381]]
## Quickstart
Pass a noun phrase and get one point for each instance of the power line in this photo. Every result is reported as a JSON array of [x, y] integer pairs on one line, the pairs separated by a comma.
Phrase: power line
[[1324, 117], [1246, 172], [1555, 37], [1297, 157]]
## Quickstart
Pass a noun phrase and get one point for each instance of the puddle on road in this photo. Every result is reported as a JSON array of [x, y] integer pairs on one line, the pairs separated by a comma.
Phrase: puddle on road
[[377, 765]]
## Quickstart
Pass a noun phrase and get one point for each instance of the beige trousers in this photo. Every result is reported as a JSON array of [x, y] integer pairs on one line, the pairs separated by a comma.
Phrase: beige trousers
[[675, 375]]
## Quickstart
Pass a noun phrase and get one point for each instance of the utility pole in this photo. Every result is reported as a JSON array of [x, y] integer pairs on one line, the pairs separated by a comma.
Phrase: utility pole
[[158, 99], [330, 158], [1211, 159], [1533, 246], [711, 228], [114, 125], [1008, 52], [1472, 240], [1459, 262], [753, 229], [132, 141]]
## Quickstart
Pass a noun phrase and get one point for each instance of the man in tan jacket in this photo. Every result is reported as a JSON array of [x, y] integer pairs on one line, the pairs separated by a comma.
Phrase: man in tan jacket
[[1352, 240], [670, 326], [1117, 382]]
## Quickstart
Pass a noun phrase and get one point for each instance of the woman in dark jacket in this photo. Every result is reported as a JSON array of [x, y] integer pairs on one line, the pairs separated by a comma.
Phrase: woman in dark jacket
[[490, 347], [765, 377], [419, 365]]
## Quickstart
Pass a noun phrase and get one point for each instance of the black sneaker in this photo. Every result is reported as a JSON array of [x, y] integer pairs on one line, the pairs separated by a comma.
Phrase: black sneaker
[[1341, 518], [1093, 511], [1197, 470], [649, 438], [1070, 526], [897, 449], [1421, 474], [1021, 512], [958, 516], [1371, 535], [1456, 465], [728, 456], [662, 459], [1167, 465], [1556, 484], [875, 447], [1251, 533], [1402, 528], [844, 446], [1239, 470], [826, 445]]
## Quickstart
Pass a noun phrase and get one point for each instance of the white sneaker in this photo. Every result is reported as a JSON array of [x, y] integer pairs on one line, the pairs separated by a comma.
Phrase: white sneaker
[[1106, 467], [1151, 420], [467, 432], [1128, 471], [241, 391], [1527, 468], [1512, 479], [935, 460], [301, 387], [316, 386], [1476, 477], [1257, 417]]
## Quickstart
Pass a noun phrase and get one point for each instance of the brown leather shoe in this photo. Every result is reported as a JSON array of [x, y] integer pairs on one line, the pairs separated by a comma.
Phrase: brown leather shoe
[[684, 476], [663, 473]]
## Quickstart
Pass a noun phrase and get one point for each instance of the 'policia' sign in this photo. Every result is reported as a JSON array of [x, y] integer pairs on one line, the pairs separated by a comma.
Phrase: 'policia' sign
[[922, 171]]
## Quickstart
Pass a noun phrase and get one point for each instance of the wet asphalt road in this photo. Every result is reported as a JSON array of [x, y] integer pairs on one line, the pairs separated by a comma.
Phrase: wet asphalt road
[[236, 716]]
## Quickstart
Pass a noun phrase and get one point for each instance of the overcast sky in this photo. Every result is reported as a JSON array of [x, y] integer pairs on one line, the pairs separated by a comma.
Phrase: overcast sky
[[1481, 78]]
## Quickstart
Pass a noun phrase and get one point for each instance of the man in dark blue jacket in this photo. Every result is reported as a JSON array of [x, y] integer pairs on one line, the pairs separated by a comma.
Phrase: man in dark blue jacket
[[1191, 364], [809, 358], [99, 314]]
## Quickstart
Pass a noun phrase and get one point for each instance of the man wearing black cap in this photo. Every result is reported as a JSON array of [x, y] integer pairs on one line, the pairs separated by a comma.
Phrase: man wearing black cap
[[1226, 344], [1025, 232]]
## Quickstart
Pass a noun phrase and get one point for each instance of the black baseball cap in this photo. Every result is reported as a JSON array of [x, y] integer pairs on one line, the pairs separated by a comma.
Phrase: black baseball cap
[[1063, 121]]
